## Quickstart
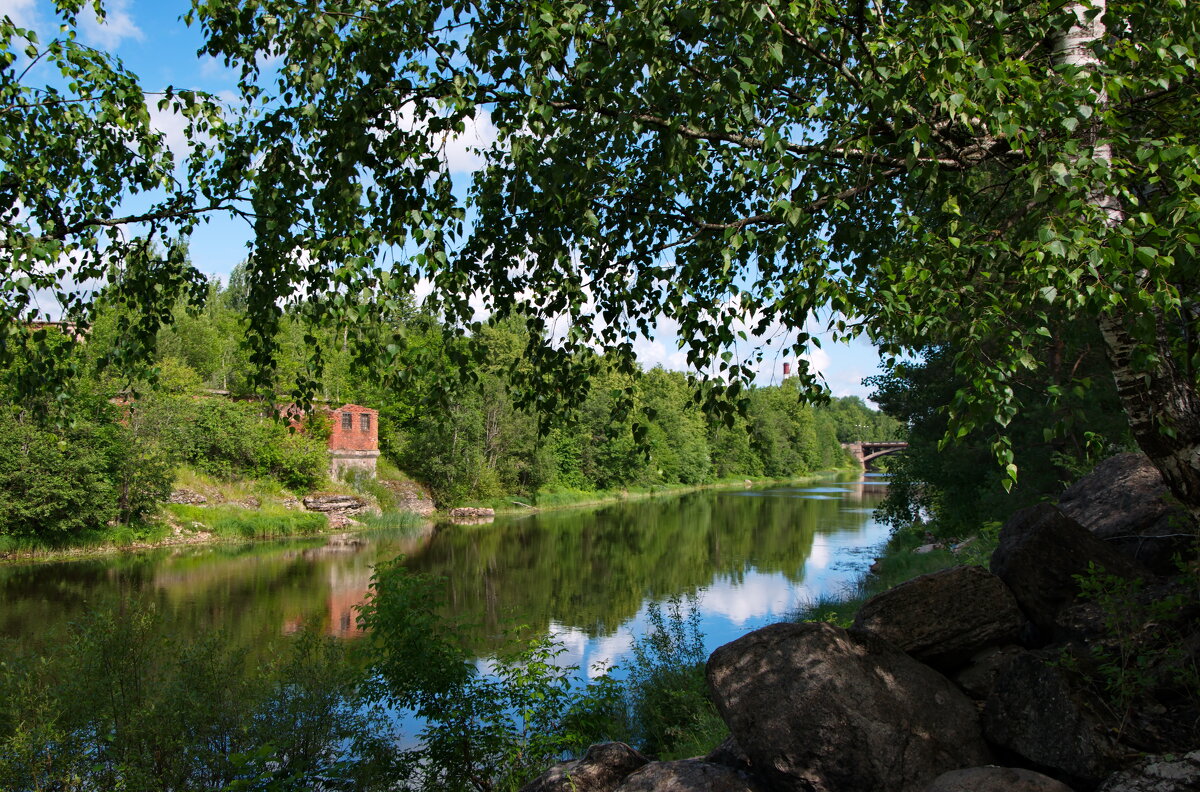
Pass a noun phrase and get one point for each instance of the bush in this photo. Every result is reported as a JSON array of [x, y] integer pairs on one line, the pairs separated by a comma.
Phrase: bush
[[670, 713], [56, 483], [53, 485], [228, 440]]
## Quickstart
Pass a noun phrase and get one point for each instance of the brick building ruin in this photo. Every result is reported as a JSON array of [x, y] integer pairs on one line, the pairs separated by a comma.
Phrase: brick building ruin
[[353, 439]]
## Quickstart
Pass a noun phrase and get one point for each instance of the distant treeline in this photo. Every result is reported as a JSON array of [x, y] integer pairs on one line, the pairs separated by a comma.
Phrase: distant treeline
[[452, 423]]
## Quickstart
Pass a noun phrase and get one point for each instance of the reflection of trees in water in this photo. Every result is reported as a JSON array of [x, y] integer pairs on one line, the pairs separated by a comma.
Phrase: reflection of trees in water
[[593, 570], [589, 569], [251, 592]]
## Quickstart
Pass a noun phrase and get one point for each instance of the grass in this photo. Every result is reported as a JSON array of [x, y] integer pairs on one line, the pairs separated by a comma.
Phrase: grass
[[119, 536], [398, 521], [896, 565], [234, 522], [218, 490]]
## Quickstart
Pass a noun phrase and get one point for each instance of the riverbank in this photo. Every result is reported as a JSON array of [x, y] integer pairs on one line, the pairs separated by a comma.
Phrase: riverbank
[[907, 554], [572, 499], [214, 512]]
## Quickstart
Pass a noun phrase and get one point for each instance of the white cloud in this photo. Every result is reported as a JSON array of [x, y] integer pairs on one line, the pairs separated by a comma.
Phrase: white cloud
[[21, 12], [172, 125], [213, 68], [117, 26], [462, 151]]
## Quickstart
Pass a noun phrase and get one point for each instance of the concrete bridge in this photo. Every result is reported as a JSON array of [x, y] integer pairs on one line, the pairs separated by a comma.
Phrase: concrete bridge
[[865, 452]]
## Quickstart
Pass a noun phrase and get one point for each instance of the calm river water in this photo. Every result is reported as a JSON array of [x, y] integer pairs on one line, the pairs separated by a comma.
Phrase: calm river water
[[744, 557]]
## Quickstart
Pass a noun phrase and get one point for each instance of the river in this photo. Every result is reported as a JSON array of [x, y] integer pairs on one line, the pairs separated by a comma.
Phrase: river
[[744, 558]]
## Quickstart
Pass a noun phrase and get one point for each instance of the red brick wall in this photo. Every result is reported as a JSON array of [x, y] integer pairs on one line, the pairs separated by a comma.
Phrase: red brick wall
[[354, 438]]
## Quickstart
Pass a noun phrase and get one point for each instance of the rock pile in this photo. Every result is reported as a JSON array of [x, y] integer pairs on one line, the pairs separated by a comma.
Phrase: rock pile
[[467, 515], [945, 674], [340, 509]]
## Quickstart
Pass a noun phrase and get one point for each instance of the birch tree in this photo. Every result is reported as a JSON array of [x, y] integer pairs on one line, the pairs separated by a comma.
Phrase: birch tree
[[940, 171]]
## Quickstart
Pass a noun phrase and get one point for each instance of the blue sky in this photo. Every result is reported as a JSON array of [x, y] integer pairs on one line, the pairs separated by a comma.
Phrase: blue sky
[[151, 39]]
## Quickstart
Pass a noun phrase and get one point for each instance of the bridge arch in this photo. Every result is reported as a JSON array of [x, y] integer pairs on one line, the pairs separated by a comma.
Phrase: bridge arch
[[865, 452]]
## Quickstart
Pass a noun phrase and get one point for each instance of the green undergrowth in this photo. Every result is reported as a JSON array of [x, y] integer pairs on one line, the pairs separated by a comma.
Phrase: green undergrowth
[[234, 522], [897, 564], [400, 522], [134, 534]]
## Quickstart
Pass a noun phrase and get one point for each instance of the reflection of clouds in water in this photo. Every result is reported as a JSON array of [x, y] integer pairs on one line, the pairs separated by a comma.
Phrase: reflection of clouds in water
[[593, 656], [609, 651], [574, 642], [757, 596], [819, 557]]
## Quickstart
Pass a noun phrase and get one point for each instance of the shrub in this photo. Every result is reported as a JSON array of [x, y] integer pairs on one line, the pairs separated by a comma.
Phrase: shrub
[[53, 485], [670, 712], [228, 439]]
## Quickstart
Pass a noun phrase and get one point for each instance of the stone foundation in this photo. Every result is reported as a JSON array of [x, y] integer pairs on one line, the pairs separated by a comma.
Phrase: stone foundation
[[341, 462]]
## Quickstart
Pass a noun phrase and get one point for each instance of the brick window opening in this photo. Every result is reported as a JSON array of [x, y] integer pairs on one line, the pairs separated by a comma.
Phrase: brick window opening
[[364, 422], [347, 422]]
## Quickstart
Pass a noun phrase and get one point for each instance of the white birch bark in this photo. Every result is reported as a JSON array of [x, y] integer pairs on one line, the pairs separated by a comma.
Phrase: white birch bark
[[1162, 406]]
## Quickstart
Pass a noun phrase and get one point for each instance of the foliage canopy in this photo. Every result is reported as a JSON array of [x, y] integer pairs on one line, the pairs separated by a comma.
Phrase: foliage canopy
[[946, 172]]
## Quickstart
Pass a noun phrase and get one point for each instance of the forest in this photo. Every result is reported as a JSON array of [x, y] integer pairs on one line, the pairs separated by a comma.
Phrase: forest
[[109, 450]]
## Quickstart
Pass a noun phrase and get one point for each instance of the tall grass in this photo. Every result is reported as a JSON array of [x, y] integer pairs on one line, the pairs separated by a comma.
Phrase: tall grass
[[233, 522], [400, 522], [218, 490], [118, 536]]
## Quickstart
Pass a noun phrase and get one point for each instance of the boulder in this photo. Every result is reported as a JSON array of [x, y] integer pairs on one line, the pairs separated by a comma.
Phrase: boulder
[[995, 779], [978, 676], [467, 515], [818, 708], [1038, 712], [334, 503], [1125, 502], [410, 497], [1039, 551], [688, 775], [945, 617], [601, 769], [1158, 774], [730, 754]]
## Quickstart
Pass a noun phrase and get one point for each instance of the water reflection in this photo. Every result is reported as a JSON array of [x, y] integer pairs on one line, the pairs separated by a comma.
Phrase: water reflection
[[586, 576]]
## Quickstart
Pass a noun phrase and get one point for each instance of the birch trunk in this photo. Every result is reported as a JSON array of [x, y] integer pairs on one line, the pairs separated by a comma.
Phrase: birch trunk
[[1160, 401]]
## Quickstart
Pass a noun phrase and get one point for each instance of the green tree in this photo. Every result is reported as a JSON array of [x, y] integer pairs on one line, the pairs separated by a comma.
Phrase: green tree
[[73, 151], [923, 169]]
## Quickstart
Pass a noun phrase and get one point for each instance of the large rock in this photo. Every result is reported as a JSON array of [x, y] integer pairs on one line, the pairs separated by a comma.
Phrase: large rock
[[334, 503], [1158, 774], [945, 617], [602, 769], [1039, 713], [187, 497], [730, 754], [1039, 551], [819, 709], [469, 515], [995, 779], [1126, 502], [978, 676], [688, 775]]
